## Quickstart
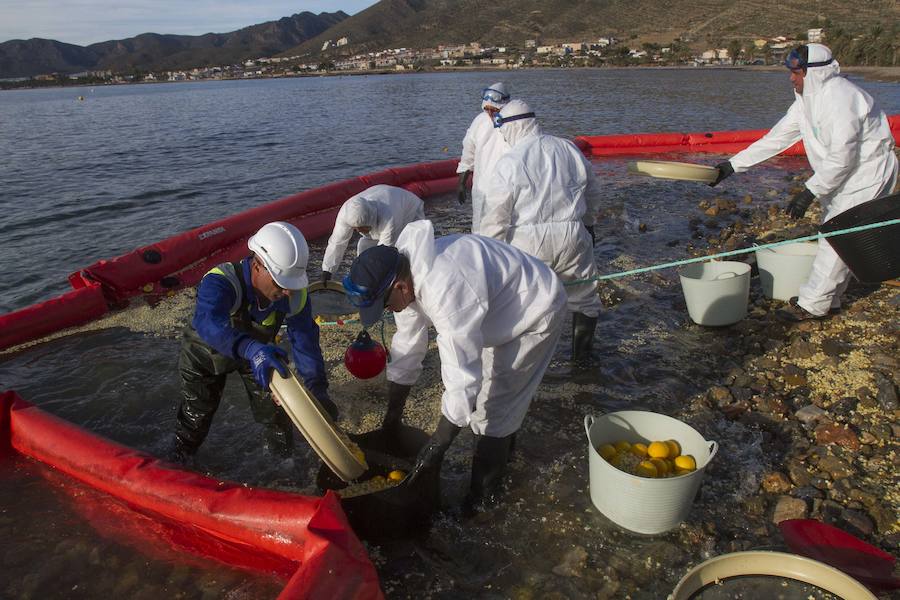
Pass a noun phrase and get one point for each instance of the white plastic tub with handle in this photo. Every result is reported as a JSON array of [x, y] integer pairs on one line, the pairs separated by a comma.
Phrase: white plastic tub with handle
[[640, 504], [783, 269], [716, 292]]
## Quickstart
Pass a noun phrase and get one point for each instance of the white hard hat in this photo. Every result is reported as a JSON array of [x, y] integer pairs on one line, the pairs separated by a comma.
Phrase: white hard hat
[[283, 250]]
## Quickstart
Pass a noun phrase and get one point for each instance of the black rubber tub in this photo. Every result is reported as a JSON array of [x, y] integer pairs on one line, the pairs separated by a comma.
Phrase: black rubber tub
[[401, 511], [872, 255]]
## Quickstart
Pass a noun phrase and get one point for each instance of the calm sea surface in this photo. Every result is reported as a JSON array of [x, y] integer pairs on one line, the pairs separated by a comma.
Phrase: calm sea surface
[[86, 180]]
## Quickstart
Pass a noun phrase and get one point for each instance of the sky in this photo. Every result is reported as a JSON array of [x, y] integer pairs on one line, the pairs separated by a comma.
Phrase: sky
[[84, 22]]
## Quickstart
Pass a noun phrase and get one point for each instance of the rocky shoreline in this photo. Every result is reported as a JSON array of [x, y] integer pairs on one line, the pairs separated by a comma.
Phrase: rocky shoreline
[[822, 394]]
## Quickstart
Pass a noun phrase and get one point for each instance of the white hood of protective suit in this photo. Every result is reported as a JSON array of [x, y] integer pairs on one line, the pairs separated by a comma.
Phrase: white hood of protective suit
[[498, 87], [516, 131], [815, 78], [384, 208], [478, 293], [360, 212]]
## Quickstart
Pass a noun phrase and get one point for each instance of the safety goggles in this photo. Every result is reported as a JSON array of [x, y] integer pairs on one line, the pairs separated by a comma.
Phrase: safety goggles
[[492, 95], [499, 120], [795, 62], [362, 296]]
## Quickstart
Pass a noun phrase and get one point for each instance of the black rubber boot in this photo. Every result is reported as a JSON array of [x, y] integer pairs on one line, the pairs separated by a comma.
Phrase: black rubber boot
[[180, 453], [583, 328], [488, 467]]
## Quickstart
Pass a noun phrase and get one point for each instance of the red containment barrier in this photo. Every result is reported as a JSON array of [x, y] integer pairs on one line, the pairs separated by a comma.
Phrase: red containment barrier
[[304, 538]]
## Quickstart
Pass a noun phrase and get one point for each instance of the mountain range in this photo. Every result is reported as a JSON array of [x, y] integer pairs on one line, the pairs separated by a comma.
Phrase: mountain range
[[427, 23], [153, 51]]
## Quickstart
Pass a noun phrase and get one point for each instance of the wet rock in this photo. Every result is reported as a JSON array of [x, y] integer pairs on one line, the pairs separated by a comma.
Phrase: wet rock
[[835, 467], [830, 511], [755, 506], [666, 553], [712, 211], [798, 473], [776, 483], [866, 438], [609, 590], [887, 393], [835, 347], [807, 493], [809, 415], [801, 349], [884, 517], [843, 407], [866, 398], [720, 395], [820, 483], [794, 375], [863, 497], [573, 563], [858, 522], [840, 490], [741, 394], [832, 433], [789, 508], [748, 199]]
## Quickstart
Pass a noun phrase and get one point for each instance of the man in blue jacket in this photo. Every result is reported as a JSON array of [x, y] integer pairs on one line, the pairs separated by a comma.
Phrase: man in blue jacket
[[240, 308]]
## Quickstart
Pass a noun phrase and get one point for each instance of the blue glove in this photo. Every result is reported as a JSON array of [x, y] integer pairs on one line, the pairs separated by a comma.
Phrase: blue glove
[[263, 358]]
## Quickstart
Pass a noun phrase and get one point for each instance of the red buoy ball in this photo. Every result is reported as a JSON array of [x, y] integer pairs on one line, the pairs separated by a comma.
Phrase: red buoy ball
[[365, 358]]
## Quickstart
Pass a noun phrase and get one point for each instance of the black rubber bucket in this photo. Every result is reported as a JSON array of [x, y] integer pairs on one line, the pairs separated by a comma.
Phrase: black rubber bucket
[[400, 511], [872, 255]]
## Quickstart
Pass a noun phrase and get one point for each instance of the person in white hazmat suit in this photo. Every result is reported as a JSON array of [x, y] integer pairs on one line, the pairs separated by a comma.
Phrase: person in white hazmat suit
[[848, 144], [482, 147], [542, 198], [498, 313], [378, 214]]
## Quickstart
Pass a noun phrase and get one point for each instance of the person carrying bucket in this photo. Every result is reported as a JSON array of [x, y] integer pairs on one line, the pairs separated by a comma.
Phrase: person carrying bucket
[[498, 315], [849, 145], [378, 214], [240, 307], [482, 148], [542, 198]]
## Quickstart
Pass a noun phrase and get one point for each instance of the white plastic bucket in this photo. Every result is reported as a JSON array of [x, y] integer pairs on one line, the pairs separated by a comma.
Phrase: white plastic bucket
[[783, 269], [716, 292], [641, 504]]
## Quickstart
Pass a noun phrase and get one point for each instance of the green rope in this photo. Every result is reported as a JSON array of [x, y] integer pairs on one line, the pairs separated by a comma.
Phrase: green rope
[[686, 261], [735, 252]]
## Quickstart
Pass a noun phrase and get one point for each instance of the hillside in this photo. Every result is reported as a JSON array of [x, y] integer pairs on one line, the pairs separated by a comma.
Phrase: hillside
[[152, 51], [427, 23]]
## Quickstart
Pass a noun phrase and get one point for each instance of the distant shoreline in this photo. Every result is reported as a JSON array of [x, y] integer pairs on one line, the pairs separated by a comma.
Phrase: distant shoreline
[[881, 74]]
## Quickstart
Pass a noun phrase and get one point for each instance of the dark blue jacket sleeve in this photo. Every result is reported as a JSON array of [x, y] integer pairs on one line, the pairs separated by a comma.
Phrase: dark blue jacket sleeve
[[212, 318], [304, 335]]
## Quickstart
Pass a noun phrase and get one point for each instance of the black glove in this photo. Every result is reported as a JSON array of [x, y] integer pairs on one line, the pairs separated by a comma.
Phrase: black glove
[[396, 397], [461, 190], [590, 229], [326, 276], [725, 170], [796, 208], [432, 454]]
